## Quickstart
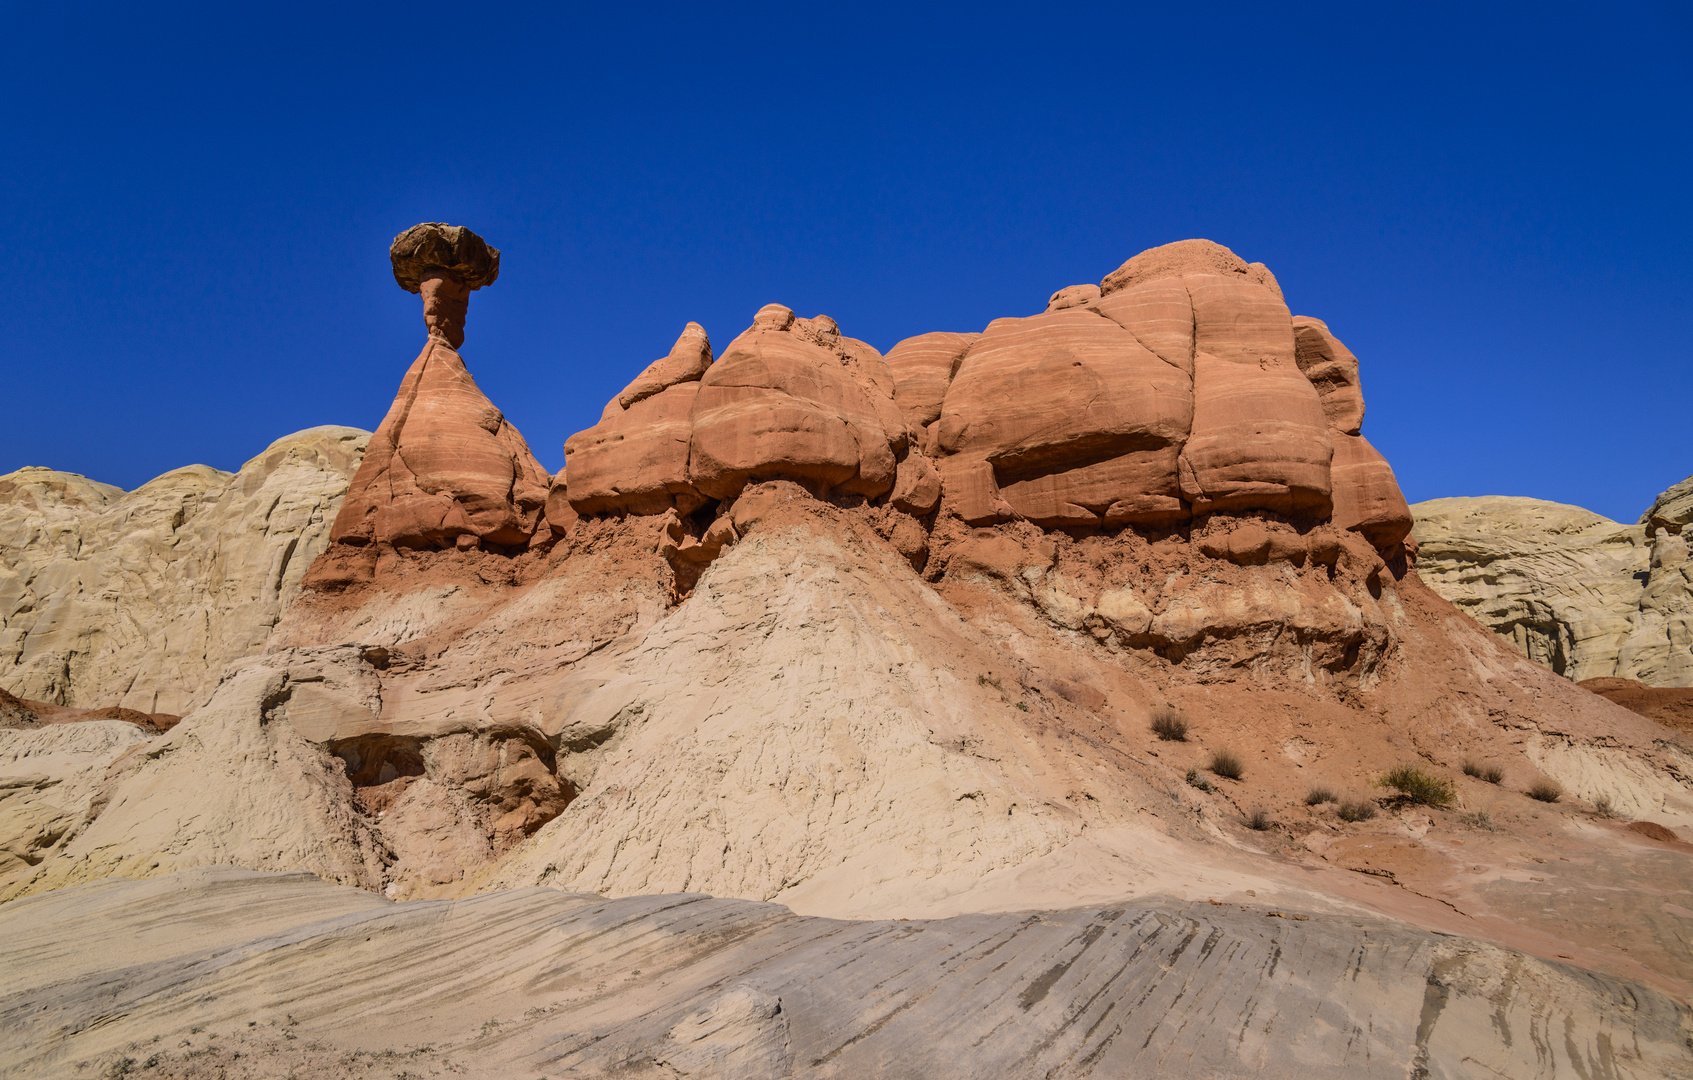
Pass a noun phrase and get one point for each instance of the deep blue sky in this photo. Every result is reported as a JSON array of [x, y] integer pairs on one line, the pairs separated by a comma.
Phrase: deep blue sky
[[1488, 203]]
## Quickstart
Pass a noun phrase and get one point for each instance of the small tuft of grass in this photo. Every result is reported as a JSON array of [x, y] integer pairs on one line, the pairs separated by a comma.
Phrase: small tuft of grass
[[1198, 781], [1227, 765], [1259, 820], [1492, 774], [989, 680], [1604, 807], [1419, 787], [1356, 810], [1481, 819], [1022, 706], [1319, 795], [1167, 724], [1545, 791]]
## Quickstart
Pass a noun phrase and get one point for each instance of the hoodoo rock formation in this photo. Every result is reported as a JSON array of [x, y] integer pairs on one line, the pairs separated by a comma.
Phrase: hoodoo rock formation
[[1180, 387], [444, 468], [873, 638]]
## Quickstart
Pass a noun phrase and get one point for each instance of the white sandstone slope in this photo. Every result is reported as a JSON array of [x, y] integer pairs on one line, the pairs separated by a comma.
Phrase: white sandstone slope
[[141, 599], [812, 724], [232, 784], [1581, 594]]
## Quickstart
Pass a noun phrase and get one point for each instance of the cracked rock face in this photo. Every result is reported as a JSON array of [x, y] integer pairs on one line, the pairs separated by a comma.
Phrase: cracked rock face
[[1581, 594], [140, 599]]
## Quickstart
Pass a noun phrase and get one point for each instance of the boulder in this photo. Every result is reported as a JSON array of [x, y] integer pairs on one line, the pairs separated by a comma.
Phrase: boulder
[[1073, 296], [1366, 495], [923, 367], [443, 263], [444, 463], [1076, 416], [791, 398], [1333, 370], [635, 460]]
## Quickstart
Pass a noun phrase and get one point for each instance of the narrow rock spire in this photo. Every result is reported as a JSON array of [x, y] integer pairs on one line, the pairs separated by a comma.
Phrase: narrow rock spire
[[443, 263]]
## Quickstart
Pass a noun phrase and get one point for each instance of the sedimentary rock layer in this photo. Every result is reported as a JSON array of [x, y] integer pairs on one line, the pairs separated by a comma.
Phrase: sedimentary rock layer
[[536, 982], [1579, 593], [140, 599]]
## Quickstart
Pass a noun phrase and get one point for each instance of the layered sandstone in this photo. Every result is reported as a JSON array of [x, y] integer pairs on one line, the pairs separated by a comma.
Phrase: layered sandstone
[[320, 980], [445, 468], [878, 638], [140, 599], [1179, 386], [1579, 593]]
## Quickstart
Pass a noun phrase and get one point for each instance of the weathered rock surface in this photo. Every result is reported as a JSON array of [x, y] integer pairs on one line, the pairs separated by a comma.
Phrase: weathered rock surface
[[1179, 386], [636, 458], [314, 977], [813, 686], [141, 599], [1577, 592], [1081, 423], [443, 464], [922, 368], [793, 398]]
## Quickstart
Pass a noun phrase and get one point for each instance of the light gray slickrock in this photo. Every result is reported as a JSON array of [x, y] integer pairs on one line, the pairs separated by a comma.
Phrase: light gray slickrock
[[283, 975]]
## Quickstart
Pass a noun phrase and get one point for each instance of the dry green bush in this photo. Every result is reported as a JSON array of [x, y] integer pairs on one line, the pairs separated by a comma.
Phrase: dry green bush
[[1493, 774], [1227, 765], [1356, 810], [1419, 787], [1167, 724], [1545, 791]]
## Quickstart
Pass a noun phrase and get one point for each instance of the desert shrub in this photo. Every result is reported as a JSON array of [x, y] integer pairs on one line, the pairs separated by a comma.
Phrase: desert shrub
[[1604, 807], [1226, 764], [1481, 819], [1259, 820], [1198, 781], [1419, 787], [1545, 791], [1356, 810], [1167, 724], [1319, 795], [1492, 774]]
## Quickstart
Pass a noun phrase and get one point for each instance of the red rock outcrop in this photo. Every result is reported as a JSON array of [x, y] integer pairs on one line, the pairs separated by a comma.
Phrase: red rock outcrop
[[1080, 421], [635, 459], [923, 367], [1367, 499], [1180, 386], [445, 468], [792, 398]]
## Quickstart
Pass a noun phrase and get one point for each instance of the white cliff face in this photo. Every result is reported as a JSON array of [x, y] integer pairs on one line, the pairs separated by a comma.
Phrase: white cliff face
[[141, 599], [1585, 596]]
